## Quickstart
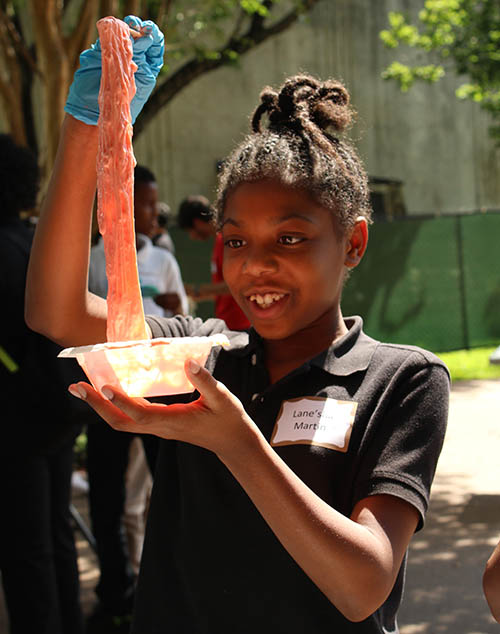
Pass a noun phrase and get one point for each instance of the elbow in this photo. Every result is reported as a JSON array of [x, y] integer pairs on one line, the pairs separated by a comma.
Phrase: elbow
[[358, 613], [38, 322], [361, 602], [491, 589], [32, 319], [34, 315], [37, 325]]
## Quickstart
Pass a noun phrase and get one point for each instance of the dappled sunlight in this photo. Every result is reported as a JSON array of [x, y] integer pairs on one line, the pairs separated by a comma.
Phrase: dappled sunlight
[[444, 593], [87, 559]]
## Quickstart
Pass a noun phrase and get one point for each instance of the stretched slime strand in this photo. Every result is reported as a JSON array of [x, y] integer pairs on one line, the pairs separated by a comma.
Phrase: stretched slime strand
[[115, 183]]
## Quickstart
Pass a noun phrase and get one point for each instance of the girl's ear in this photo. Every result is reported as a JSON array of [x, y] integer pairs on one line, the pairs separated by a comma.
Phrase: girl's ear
[[356, 244]]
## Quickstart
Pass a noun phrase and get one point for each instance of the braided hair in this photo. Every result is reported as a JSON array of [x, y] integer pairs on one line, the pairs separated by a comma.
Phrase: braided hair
[[300, 148]]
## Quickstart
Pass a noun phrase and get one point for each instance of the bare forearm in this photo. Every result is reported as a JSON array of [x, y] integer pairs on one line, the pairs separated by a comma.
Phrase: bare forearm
[[353, 566], [58, 303], [491, 583]]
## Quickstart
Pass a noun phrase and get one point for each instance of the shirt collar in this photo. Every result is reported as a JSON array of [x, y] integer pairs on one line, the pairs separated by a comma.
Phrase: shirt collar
[[351, 353]]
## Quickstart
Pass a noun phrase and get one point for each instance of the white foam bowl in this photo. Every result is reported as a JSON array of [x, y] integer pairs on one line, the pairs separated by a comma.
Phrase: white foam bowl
[[154, 367]]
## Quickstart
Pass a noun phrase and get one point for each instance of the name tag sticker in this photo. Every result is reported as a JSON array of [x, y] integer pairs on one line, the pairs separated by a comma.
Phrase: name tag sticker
[[324, 422]]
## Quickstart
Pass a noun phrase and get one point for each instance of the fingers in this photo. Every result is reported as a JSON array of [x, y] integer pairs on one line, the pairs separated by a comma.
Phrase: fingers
[[151, 44], [102, 406], [213, 392], [139, 410], [156, 51], [133, 22]]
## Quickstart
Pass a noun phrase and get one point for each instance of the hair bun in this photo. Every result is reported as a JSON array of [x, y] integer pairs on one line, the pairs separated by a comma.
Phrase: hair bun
[[331, 107], [304, 101], [268, 103]]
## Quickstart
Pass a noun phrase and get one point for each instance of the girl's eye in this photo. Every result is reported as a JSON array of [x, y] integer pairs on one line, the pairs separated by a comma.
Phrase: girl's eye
[[234, 243], [290, 240]]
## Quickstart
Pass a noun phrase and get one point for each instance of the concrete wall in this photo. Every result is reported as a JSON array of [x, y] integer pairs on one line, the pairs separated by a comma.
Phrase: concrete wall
[[438, 146]]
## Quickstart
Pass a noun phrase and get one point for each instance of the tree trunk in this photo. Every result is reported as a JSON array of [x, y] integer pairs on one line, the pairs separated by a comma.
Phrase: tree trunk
[[11, 91], [53, 64], [57, 59]]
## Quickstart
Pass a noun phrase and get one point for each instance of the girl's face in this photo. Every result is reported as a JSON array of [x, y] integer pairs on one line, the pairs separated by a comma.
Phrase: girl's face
[[284, 259]]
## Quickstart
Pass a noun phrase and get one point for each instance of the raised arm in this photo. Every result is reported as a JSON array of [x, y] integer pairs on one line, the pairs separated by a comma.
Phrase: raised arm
[[58, 303]]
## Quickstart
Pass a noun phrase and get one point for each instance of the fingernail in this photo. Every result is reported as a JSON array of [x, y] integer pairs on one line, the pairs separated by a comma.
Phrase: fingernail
[[78, 391], [107, 393], [194, 366]]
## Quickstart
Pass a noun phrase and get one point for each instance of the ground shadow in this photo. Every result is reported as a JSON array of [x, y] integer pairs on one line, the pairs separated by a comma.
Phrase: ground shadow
[[446, 562]]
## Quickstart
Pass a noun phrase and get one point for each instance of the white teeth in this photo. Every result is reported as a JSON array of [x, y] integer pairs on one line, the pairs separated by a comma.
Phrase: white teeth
[[264, 301]]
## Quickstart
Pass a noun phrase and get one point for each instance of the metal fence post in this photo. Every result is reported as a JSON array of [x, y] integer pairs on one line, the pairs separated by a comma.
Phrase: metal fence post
[[461, 282]]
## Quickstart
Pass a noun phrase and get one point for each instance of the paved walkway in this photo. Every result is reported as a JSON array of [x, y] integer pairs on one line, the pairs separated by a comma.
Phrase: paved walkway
[[446, 561]]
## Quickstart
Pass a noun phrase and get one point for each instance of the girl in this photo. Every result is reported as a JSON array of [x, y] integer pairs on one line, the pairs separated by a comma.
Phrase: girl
[[288, 489]]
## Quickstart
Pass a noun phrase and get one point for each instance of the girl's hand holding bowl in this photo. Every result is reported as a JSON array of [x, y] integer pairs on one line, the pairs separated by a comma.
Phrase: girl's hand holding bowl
[[216, 421]]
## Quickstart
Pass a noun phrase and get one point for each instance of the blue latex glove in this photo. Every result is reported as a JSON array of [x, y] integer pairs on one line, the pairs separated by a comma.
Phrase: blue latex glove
[[147, 53]]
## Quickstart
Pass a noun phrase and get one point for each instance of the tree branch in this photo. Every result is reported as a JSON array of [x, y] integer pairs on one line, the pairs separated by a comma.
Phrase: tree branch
[[108, 7], [131, 7], [17, 41], [256, 34], [80, 38], [11, 86], [164, 12], [46, 18], [238, 23]]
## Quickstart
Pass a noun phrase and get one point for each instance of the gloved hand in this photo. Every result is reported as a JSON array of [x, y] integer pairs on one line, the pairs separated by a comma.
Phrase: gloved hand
[[147, 53]]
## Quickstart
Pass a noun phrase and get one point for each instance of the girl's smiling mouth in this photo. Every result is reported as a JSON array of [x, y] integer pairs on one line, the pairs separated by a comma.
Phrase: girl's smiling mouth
[[265, 300]]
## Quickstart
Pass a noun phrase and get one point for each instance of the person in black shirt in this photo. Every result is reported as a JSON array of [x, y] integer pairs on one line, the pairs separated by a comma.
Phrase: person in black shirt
[[38, 558], [289, 485]]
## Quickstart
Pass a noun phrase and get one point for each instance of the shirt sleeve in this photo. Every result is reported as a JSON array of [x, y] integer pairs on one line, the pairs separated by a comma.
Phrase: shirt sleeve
[[181, 326], [403, 452]]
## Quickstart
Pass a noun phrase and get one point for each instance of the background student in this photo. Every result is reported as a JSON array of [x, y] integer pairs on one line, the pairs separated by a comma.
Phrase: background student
[[38, 559], [195, 217]]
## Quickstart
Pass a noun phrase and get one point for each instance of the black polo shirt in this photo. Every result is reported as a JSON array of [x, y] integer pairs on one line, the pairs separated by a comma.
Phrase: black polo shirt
[[361, 418]]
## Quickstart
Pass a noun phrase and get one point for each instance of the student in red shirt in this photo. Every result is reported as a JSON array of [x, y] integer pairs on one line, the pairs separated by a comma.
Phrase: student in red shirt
[[195, 217]]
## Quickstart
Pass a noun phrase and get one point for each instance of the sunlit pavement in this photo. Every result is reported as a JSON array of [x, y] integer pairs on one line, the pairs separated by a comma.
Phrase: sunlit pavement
[[446, 561]]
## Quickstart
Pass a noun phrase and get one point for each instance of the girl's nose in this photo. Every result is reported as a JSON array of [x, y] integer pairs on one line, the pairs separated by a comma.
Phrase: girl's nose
[[259, 261]]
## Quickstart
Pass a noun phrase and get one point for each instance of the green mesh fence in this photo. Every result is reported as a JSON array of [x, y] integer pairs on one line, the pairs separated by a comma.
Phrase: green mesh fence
[[194, 261], [431, 282], [481, 247]]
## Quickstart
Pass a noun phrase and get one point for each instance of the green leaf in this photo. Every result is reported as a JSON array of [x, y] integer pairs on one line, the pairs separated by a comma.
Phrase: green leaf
[[254, 6], [465, 33]]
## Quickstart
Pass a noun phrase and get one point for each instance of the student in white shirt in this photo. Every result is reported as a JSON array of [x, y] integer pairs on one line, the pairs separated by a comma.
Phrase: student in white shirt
[[162, 289]]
